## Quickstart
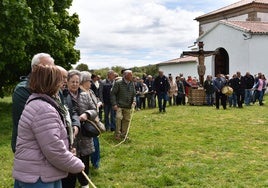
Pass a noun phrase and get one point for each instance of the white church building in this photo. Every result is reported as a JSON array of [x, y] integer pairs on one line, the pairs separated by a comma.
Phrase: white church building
[[239, 32]]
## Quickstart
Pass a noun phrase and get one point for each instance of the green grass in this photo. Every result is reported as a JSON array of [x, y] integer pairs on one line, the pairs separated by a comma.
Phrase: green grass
[[189, 146]]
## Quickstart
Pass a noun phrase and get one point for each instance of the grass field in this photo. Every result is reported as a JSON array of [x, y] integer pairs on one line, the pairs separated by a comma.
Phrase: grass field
[[189, 146]]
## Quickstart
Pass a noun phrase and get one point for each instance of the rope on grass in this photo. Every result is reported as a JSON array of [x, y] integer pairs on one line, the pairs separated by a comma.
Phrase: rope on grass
[[89, 181], [132, 112]]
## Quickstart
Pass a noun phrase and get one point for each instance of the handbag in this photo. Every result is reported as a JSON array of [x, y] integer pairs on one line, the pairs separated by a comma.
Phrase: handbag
[[91, 128]]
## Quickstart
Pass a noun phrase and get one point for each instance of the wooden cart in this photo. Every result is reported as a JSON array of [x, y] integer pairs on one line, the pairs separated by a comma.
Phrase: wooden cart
[[197, 96]]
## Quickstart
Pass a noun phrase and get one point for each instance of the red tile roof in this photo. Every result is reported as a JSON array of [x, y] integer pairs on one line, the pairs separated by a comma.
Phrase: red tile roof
[[181, 60], [233, 6], [247, 26]]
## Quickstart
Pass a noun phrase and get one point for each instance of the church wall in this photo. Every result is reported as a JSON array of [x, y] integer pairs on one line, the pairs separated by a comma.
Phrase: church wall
[[208, 26], [232, 41], [258, 56], [175, 69], [239, 18], [244, 55], [263, 16]]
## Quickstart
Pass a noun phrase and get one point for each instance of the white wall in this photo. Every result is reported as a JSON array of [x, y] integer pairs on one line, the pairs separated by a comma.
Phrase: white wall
[[244, 55], [208, 26], [188, 69], [243, 17], [262, 16], [258, 56]]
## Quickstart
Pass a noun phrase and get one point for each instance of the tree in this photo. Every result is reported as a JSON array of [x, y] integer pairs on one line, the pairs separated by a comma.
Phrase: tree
[[33, 26], [82, 67], [55, 31], [151, 70], [15, 28]]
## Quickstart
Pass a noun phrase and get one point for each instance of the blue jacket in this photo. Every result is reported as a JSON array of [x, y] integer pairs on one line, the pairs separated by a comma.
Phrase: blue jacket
[[219, 83]]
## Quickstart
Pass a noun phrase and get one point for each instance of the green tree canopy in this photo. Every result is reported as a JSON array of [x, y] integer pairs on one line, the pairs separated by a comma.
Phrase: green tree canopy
[[16, 30], [82, 67], [34, 26]]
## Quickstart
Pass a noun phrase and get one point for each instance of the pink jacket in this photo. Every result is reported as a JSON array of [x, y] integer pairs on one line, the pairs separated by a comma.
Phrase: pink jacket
[[260, 85], [42, 145]]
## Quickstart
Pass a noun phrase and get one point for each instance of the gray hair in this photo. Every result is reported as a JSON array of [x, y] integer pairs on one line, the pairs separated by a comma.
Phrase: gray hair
[[110, 72], [37, 59], [126, 72], [71, 73], [85, 76]]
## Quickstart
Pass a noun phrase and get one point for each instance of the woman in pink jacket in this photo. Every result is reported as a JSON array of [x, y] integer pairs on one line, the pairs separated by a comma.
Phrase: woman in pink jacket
[[42, 157]]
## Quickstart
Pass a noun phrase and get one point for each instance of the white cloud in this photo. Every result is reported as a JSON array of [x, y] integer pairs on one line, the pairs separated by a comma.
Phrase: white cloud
[[134, 32]]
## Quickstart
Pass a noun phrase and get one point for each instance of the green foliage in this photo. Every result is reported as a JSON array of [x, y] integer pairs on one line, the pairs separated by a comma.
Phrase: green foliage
[[28, 27], [15, 27], [189, 146], [54, 31], [118, 69], [137, 71], [82, 67]]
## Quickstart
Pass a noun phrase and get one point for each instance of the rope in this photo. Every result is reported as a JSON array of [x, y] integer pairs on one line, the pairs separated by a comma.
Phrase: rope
[[132, 112], [89, 181]]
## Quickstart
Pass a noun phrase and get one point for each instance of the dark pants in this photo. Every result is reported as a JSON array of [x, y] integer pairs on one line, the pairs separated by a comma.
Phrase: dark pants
[[210, 99], [223, 98], [162, 98], [142, 102], [180, 99], [95, 157], [150, 100], [259, 96], [138, 102], [100, 112], [240, 96], [109, 117], [70, 180]]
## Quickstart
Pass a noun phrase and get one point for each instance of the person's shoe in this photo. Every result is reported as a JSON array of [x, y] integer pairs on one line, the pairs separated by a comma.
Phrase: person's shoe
[[164, 110]]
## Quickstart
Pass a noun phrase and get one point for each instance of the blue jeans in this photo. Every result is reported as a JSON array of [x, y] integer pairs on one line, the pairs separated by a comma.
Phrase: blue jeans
[[150, 100], [109, 117], [232, 100], [162, 100], [210, 99], [138, 103], [259, 96], [38, 184], [248, 96], [95, 157]]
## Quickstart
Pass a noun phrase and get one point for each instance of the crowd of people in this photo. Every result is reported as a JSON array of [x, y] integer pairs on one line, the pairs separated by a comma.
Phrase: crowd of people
[[51, 104], [245, 89], [49, 109]]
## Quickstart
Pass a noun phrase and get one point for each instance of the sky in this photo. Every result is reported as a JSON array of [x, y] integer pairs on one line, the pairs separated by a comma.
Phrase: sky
[[130, 33]]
